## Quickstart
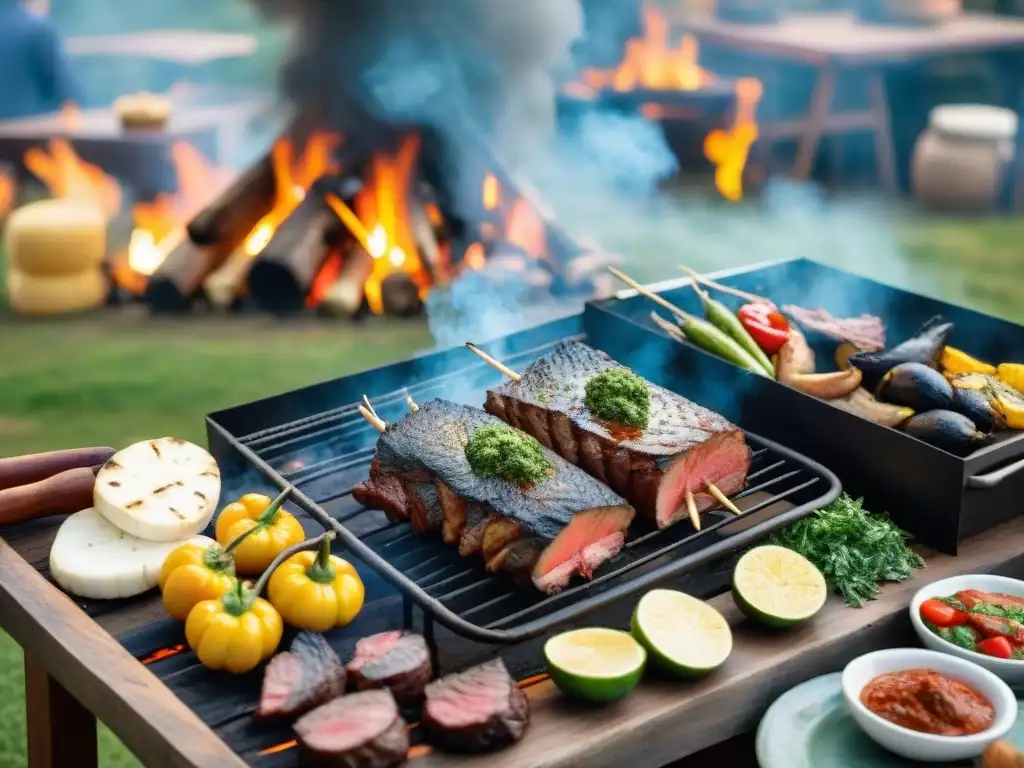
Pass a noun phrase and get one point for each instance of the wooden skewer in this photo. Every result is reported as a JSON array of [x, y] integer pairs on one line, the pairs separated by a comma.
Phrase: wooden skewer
[[411, 403], [752, 297], [691, 509], [669, 327], [500, 367], [644, 292], [371, 417], [722, 499]]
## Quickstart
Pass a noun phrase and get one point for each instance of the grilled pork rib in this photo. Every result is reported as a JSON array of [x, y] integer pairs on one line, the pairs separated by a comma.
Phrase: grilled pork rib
[[565, 524], [683, 448]]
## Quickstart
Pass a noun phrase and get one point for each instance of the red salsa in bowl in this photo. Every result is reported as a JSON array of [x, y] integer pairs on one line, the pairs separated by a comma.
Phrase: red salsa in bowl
[[927, 701], [990, 623]]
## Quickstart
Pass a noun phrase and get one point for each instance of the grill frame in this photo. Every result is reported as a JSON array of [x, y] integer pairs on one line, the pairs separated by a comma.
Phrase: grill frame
[[613, 582]]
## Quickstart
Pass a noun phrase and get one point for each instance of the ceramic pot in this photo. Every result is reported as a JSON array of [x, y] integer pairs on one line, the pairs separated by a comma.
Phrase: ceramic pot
[[960, 161]]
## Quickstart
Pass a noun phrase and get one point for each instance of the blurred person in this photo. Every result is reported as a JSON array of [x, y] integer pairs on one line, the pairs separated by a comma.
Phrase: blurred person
[[37, 75]]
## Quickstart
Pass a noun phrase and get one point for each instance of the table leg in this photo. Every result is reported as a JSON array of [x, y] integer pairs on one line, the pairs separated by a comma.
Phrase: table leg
[[885, 154], [814, 125], [61, 732]]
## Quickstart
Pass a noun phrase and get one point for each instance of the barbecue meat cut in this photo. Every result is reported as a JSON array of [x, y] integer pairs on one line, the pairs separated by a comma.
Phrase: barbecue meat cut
[[479, 710], [361, 730], [304, 677], [683, 447], [565, 524], [397, 660]]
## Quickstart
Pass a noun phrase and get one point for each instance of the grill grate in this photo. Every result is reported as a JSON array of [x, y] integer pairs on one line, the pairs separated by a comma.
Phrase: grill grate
[[323, 456]]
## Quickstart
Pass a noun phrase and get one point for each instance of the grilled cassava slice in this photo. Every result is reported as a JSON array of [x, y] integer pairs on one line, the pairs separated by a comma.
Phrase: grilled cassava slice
[[304, 677], [361, 730], [577, 522], [397, 660], [683, 448], [479, 710]]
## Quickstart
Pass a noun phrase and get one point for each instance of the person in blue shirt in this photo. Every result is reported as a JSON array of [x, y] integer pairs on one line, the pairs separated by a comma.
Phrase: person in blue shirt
[[35, 70]]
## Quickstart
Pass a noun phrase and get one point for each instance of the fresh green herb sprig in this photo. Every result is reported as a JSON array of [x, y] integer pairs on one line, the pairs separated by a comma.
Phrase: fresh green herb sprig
[[856, 550]]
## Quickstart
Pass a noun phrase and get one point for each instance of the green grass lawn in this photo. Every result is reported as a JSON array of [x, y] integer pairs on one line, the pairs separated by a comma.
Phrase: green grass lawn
[[110, 380]]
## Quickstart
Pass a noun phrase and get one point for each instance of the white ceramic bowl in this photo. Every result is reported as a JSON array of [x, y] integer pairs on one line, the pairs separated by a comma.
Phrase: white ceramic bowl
[[926, 747], [1011, 671]]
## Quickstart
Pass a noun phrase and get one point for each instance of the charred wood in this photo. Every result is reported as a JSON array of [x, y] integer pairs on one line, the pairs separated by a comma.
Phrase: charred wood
[[346, 295], [227, 283], [235, 213], [400, 295], [177, 282]]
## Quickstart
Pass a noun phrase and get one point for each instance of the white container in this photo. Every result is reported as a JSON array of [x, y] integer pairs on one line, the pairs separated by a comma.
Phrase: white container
[[961, 160], [926, 747], [1009, 670]]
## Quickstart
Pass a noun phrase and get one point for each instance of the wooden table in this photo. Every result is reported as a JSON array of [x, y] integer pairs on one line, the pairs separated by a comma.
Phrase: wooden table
[[833, 43], [76, 669]]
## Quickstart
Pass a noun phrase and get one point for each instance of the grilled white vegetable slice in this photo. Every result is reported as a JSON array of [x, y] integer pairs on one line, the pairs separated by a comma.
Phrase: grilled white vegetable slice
[[159, 490], [92, 558]]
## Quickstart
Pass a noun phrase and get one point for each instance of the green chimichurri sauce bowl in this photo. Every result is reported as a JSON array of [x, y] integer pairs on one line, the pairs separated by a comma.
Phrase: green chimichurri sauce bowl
[[1010, 670]]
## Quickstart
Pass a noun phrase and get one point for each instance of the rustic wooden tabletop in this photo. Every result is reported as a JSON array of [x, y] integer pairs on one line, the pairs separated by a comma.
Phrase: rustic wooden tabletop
[[72, 658]]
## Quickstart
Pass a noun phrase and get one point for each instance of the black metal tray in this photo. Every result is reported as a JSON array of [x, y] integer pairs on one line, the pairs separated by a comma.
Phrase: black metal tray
[[315, 439], [938, 497]]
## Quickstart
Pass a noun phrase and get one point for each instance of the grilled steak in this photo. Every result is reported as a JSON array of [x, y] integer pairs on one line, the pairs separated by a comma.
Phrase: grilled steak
[[479, 710], [361, 730], [302, 678], [577, 522], [396, 660], [683, 447]]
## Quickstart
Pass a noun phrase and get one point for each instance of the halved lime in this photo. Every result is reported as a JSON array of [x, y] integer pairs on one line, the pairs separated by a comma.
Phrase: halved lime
[[595, 664], [777, 586], [685, 636]]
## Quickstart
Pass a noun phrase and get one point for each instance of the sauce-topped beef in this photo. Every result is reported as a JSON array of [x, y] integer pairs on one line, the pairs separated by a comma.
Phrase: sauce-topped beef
[[926, 701], [681, 448]]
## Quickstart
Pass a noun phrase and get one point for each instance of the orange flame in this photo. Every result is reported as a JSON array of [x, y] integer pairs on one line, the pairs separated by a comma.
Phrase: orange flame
[[491, 192], [475, 256], [729, 149], [649, 62], [380, 219], [65, 174], [8, 192], [525, 228]]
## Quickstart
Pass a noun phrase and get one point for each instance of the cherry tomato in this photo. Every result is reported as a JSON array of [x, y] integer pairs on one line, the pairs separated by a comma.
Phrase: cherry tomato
[[999, 647], [942, 615]]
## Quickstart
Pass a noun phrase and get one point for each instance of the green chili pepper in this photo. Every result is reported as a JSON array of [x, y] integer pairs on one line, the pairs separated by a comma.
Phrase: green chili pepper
[[712, 339], [726, 321]]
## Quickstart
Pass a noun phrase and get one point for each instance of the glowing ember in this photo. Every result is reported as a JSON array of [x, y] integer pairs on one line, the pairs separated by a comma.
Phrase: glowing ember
[[729, 149], [8, 192], [491, 192], [66, 175], [380, 220], [475, 256]]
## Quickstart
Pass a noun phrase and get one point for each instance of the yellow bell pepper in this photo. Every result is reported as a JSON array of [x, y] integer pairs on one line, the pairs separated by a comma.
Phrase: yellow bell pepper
[[316, 591], [234, 632], [1012, 374], [956, 361], [191, 574], [277, 530]]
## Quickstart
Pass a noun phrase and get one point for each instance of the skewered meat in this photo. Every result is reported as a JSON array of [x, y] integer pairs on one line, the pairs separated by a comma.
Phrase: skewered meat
[[683, 448], [479, 710], [304, 677], [361, 730], [866, 332], [578, 522], [399, 661]]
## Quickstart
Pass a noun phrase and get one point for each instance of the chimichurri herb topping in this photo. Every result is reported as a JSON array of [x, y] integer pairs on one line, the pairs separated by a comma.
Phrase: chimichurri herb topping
[[621, 396], [501, 451]]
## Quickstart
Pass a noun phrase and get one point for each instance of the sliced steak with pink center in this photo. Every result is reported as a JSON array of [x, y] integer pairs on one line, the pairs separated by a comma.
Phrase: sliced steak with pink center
[[399, 661], [361, 730], [479, 710], [568, 522], [304, 677], [683, 448]]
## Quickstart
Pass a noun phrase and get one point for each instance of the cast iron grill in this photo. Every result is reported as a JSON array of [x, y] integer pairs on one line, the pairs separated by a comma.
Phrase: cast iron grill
[[457, 591]]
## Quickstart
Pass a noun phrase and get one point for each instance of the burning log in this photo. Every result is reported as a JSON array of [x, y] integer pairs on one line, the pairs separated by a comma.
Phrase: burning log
[[346, 295], [400, 295], [282, 275], [237, 210], [177, 281], [426, 239], [227, 282]]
